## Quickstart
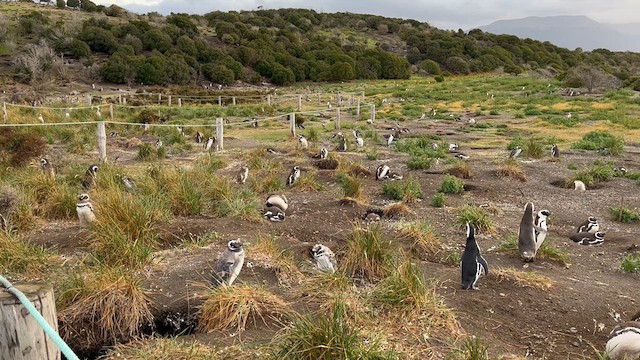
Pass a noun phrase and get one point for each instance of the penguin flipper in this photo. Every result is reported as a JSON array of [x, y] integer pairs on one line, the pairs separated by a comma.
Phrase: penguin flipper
[[484, 264]]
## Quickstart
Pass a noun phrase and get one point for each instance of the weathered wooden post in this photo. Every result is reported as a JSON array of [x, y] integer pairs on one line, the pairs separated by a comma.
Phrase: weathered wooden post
[[233, 100], [120, 99], [299, 102], [111, 111], [179, 102], [319, 99], [373, 113], [339, 98], [124, 101], [89, 100], [269, 99], [4, 111], [363, 95], [292, 124], [21, 338], [220, 133], [102, 141], [219, 100], [337, 118], [350, 100], [169, 100], [358, 106], [159, 98]]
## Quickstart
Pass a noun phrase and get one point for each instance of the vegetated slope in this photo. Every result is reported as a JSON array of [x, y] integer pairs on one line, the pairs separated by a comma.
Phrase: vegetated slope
[[280, 46]]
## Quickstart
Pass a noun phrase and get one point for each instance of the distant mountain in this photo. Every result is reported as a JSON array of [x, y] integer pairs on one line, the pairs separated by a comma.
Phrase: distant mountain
[[571, 32]]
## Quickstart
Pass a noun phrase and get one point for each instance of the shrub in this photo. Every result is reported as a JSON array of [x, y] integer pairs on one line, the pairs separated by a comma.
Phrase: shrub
[[592, 176], [599, 140], [631, 263], [511, 168], [438, 200], [533, 148], [21, 146], [425, 240], [407, 190], [624, 215], [460, 169], [420, 163], [451, 185]]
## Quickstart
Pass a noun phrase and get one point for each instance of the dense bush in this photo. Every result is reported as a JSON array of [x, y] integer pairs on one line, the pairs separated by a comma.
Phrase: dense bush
[[20, 147]]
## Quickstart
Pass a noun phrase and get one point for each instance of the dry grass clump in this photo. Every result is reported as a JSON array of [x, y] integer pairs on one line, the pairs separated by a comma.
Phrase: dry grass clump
[[523, 278], [353, 168], [241, 204], [478, 217], [18, 257], [352, 186], [232, 307], [161, 349], [425, 242], [324, 285], [8, 200], [368, 254], [266, 253], [307, 182], [460, 170], [20, 146], [51, 199], [397, 210], [103, 307], [327, 164], [511, 168], [257, 160], [266, 184]]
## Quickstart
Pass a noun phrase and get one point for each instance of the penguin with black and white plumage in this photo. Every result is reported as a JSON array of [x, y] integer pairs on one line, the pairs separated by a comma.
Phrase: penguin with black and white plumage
[[128, 183], [541, 227], [199, 137], [555, 152], [359, 139], [84, 209], [462, 156], [383, 172], [277, 200], [47, 168], [527, 234], [579, 185], [293, 176], [158, 144], [274, 213], [515, 152], [590, 225], [254, 123], [453, 147], [324, 153], [303, 142], [209, 145], [390, 140], [624, 340], [89, 181], [228, 266], [588, 238], [242, 175], [620, 170], [473, 265], [324, 257]]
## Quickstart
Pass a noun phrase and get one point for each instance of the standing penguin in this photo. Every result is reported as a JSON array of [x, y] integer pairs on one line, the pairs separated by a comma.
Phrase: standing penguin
[[293, 176], [243, 174], [324, 153], [527, 235], [227, 268], [555, 152], [390, 140], [85, 211], [624, 341], [541, 227], [359, 139], [209, 144], [473, 264], [199, 137], [515, 152], [47, 168], [591, 225], [324, 257], [89, 181], [303, 142], [343, 144]]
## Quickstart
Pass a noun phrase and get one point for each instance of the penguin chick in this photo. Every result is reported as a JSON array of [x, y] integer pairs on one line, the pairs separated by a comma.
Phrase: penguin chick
[[473, 265], [303, 142], [325, 258], [228, 266], [85, 211]]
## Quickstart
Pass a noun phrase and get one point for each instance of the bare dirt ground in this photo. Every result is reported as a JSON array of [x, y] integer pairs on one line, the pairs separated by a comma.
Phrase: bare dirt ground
[[560, 323]]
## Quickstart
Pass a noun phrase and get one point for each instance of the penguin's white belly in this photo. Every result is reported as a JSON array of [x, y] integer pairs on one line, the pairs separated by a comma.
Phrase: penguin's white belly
[[624, 346], [85, 215], [235, 270], [324, 263]]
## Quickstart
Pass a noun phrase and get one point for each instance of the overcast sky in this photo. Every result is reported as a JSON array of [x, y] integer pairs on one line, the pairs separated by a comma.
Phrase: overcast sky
[[444, 14]]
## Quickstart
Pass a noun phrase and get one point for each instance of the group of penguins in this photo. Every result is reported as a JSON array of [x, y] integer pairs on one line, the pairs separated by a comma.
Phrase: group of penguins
[[624, 340]]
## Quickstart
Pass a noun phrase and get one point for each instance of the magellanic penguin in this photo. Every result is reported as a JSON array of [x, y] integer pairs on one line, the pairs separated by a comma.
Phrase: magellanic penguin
[[359, 139], [342, 147], [85, 211], [473, 264], [453, 147], [243, 174], [279, 201], [211, 141], [303, 142], [322, 155], [274, 213], [588, 238], [515, 152], [199, 137], [227, 268], [89, 181], [293, 176], [590, 225], [128, 183], [527, 234], [555, 152], [541, 227], [47, 168], [324, 257], [579, 185], [383, 172], [624, 341]]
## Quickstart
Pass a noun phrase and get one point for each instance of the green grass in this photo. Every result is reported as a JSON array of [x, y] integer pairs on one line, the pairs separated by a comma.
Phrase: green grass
[[369, 254], [631, 263], [351, 186], [471, 349], [438, 200], [19, 257], [451, 185], [624, 215], [476, 216], [597, 140], [420, 162], [592, 176], [546, 251], [408, 190]]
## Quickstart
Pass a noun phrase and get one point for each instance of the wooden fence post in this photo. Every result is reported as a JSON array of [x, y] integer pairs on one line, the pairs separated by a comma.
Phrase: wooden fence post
[[4, 111], [269, 99], [292, 124], [233, 100], [319, 98], [120, 99], [169, 100], [220, 133], [339, 98], [89, 100], [373, 113], [179, 102], [358, 106], [21, 338], [102, 141], [111, 111], [124, 101], [219, 100], [337, 118], [159, 98], [299, 102]]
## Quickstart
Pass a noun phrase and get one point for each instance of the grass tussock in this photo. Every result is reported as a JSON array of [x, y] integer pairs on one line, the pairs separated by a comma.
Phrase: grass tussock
[[52, 199], [631, 263], [266, 184], [327, 336], [324, 285], [353, 168], [408, 190], [368, 254], [351, 186], [18, 257], [533, 148], [624, 215], [438, 199], [241, 205], [480, 219], [233, 307], [266, 253], [591, 176], [425, 241], [103, 307], [546, 251], [603, 141], [161, 349], [451, 185], [512, 169], [471, 349], [397, 210], [460, 170], [257, 160], [420, 163], [523, 278], [307, 182]]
